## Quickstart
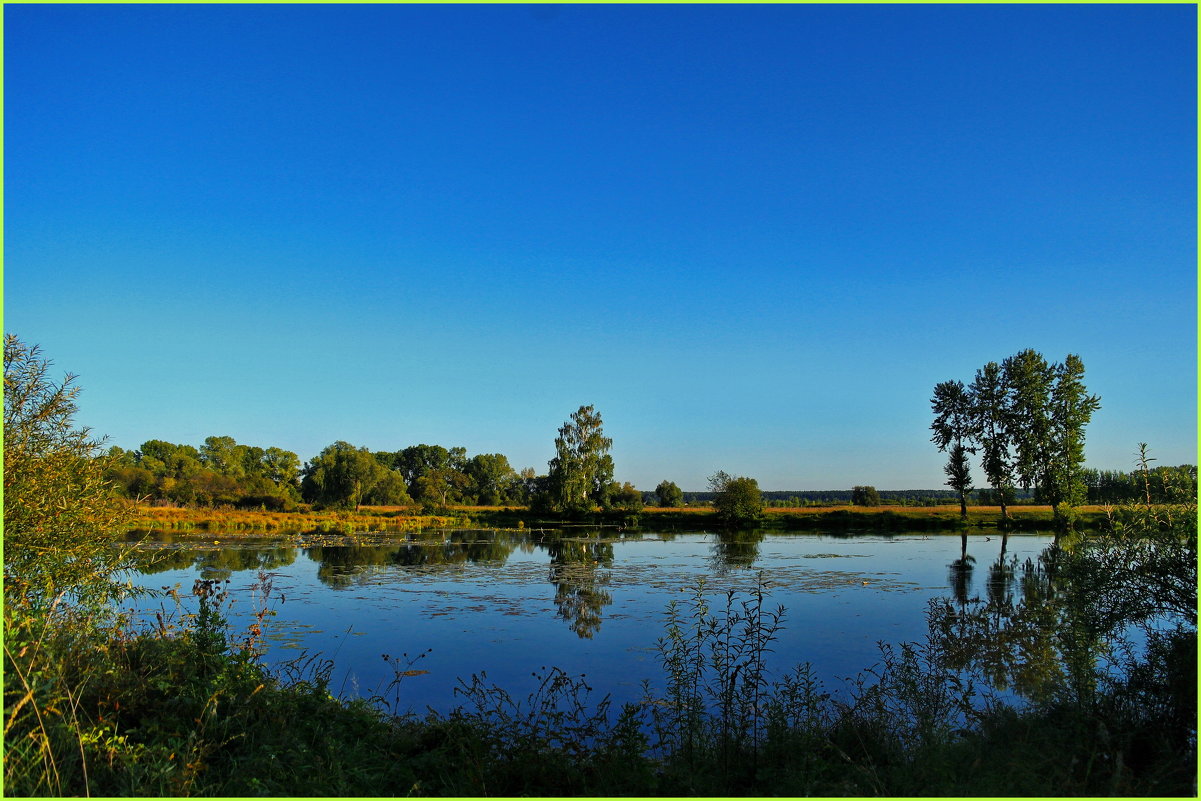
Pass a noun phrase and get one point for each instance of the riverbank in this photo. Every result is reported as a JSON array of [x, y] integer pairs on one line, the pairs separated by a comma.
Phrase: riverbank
[[235, 521], [842, 519]]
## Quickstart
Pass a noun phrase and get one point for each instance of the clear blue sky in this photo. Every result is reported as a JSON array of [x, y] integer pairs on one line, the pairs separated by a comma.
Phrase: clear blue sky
[[754, 237]]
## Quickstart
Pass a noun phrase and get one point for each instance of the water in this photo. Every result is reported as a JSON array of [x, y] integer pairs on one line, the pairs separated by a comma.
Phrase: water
[[587, 601]]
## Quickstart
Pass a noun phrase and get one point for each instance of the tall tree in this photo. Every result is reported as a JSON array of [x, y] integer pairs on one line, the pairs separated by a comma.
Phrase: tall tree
[[1071, 409], [582, 468], [953, 429], [1049, 408], [991, 410], [1030, 379]]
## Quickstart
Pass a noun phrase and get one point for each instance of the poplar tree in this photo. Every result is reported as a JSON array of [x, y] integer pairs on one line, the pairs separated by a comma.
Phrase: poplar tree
[[1071, 408], [1030, 380], [954, 429], [990, 408]]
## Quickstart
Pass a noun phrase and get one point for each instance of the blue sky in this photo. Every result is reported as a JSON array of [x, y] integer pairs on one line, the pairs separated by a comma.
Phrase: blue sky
[[754, 237]]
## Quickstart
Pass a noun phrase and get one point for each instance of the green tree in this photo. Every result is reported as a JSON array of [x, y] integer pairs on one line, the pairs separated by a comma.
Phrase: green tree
[[738, 499], [953, 428], [281, 467], [439, 488], [341, 476], [389, 490], [221, 455], [417, 461], [991, 409], [61, 515], [493, 479], [670, 496], [1030, 379], [1048, 410], [1071, 408], [865, 496], [624, 496], [582, 468]]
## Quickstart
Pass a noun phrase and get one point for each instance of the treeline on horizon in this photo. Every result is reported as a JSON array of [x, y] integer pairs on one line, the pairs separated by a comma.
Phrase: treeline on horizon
[[223, 472]]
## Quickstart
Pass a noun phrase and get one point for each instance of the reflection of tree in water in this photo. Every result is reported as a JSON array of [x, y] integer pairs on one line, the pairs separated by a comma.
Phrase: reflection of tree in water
[[1022, 635], [340, 566], [574, 570], [736, 549], [218, 563], [959, 574]]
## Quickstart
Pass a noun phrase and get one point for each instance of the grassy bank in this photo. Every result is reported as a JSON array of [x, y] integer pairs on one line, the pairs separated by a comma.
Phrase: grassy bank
[[301, 521], [809, 518]]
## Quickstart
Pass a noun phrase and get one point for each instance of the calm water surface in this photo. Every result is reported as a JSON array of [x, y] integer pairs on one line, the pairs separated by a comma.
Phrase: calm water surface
[[508, 603]]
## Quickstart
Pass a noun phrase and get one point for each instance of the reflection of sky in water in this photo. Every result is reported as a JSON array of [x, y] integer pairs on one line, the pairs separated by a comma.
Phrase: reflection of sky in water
[[842, 595]]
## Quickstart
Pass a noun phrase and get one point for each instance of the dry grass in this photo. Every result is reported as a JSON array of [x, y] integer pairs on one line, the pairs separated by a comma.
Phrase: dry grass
[[235, 520]]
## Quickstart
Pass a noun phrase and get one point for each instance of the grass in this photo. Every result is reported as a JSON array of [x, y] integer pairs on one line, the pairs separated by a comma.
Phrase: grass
[[95, 707], [236, 520], [399, 518]]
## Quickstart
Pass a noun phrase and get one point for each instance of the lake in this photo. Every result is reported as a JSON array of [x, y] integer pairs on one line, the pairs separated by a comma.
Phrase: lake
[[586, 600]]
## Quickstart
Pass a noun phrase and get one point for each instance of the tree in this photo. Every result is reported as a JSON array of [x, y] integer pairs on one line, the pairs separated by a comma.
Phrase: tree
[[438, 489], [282, 467], [738, 499], [61, 515], [1071, 409], [624, 496], [670, 496], [1029, 380], [990, 403], [341, 475], [580, 473], [953, 428], [221, 454], [493, 479], [865, 496], [1048, 410], [416, 461], [390, 490]]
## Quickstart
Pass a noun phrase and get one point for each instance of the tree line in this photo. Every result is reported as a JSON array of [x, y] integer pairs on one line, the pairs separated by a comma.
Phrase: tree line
[[224, 472], [1025, 417]]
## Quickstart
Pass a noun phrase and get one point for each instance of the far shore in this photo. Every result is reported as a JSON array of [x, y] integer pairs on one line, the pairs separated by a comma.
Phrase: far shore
[[840, 518]]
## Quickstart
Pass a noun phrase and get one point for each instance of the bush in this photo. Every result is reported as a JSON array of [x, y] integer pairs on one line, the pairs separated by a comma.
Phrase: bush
[[739, 501]]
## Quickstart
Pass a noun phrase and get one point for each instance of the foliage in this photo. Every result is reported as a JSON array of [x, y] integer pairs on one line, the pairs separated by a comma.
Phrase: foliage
[[865, 496], [954, 428], [61, 516], [669, 495], [737, 499], [989, 396], [625, 497], [493, 479], [221, 472], [582, 468], [341, 476], [1027, 418], [1162, 484]]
